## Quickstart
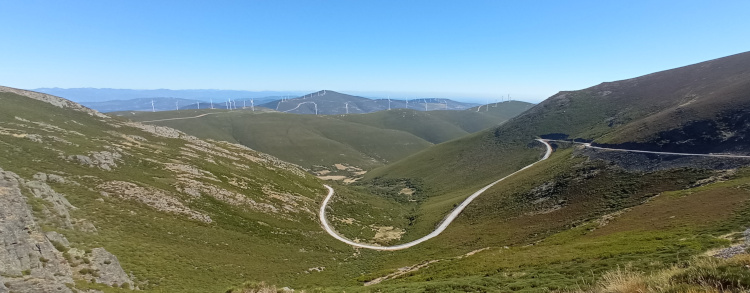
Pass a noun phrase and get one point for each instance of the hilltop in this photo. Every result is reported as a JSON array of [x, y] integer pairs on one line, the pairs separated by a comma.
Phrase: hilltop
[[331, 103], [81, 95]]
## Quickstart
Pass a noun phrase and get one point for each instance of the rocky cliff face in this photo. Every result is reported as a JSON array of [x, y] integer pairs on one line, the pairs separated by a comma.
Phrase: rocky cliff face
[[33, 261], [28, 260]]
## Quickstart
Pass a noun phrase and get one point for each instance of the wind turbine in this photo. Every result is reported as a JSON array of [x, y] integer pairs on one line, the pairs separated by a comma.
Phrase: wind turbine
[[199, 105], [212, 103], [347, 107], [244, 104], [177, 105], [389, 102], [446, 104], [407, 103], [252, 105], [152, 106], [316, 108]]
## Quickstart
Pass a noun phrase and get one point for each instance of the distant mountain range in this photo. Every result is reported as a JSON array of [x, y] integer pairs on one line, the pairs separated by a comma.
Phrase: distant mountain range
[[167, 104], [328, 102], [80, 95]]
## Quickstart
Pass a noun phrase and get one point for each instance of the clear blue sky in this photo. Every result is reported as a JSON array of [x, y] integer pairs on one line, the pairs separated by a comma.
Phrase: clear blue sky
[[478, 49]]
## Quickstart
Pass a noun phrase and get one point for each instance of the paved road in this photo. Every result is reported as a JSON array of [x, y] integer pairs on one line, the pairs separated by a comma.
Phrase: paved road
[[300, 104], [443, 225], [180, 118], [588, 145]]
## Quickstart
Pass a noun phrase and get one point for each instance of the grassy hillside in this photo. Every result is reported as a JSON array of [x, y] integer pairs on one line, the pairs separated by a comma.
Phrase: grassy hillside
[[363, 141], [181, 214], [607, 113], [306, 140], [568, 221], [439, 126]]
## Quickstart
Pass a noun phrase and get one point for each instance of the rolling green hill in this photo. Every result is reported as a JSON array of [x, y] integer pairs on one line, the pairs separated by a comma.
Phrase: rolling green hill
[[362, 141], [440, 126], [179, 213]]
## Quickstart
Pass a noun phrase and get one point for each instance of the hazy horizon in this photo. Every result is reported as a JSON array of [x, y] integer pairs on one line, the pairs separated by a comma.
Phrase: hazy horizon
[[469, 51]]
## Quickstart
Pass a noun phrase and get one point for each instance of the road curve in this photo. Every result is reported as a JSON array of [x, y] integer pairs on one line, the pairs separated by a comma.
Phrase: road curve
[[588, 145], [443, 225]]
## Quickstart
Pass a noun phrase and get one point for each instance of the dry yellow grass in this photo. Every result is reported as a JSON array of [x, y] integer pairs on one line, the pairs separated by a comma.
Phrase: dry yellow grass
[[702, 272]]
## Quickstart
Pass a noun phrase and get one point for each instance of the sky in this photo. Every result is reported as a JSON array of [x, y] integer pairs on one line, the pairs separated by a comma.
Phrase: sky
[[466, 50]]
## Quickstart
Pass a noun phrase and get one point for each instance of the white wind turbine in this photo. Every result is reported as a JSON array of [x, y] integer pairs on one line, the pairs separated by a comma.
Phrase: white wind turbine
[[212, 103], [407, 103], [152, 106], [252, 105], [199, 105], [316, 108], [177, 105], [446, 104], [389, 102], [347, 107]]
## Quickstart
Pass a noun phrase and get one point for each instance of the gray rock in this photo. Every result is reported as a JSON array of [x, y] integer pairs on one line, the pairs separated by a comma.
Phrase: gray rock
[[60, 205], [109, 269], [28, 261], [104, 160], [3, 289], [53, 236], [44, 177]]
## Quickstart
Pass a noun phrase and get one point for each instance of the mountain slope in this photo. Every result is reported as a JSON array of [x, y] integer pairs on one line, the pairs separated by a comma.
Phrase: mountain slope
[[639, 110], [439, 126], [587, 211], [363, 141], [179, 213], [451, 171], [306, 140]]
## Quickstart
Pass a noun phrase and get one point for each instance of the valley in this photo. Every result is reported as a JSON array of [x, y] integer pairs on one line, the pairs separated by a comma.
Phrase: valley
[[621, 180], [323, 143]]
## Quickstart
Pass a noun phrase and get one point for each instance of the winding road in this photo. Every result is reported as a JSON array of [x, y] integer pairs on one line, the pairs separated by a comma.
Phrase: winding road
[[443, 225], [588, 145], [180, 118], [452, 216]]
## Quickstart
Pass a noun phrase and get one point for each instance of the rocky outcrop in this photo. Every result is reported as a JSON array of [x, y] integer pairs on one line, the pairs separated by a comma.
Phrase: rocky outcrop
[[28, 260], [153, 197], [34, 261], [57, 207], [108, 269], [104, 160]]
